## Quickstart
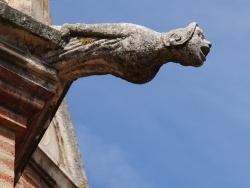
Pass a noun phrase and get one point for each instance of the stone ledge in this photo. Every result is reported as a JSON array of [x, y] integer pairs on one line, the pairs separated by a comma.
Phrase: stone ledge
[[15, 17]]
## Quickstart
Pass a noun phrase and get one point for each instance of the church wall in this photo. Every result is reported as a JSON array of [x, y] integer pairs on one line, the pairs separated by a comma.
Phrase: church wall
[[7, 157]]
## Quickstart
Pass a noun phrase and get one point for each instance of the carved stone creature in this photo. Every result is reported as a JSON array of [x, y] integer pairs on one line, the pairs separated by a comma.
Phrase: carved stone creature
[[131, 52]]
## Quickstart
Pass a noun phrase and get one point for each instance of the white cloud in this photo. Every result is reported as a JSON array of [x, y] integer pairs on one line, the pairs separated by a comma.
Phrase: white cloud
[[106, 164]]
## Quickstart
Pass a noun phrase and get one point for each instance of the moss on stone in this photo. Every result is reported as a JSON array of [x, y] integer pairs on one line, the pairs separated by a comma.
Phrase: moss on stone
[[87, 40]]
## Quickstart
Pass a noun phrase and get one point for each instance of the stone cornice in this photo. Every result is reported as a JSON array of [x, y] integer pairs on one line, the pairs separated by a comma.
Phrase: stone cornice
[[30, 89], [26, 22]]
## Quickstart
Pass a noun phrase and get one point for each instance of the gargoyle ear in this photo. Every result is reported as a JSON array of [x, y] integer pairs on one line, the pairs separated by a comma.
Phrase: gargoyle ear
[[180, 36]]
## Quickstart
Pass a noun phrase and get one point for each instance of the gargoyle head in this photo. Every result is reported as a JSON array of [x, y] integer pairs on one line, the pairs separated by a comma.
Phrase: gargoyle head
[[188, 45]]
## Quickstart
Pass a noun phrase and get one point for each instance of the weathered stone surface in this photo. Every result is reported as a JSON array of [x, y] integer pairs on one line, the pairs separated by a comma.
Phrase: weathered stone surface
[[20, 19], [60, 145], [131, 52], [37, 8]]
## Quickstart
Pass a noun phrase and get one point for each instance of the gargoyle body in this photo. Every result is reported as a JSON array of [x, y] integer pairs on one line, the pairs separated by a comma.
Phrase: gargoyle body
[[131, 52]]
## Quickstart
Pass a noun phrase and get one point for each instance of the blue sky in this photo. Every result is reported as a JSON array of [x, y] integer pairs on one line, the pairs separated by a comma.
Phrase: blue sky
[[189, 127]]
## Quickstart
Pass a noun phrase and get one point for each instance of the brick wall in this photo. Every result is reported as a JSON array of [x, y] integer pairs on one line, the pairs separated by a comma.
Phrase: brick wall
[[35, 177], [32, 177], [7, 157], [29, 179]]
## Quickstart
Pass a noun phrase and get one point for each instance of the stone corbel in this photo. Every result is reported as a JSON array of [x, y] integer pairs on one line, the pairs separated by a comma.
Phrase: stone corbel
[[131, 52]]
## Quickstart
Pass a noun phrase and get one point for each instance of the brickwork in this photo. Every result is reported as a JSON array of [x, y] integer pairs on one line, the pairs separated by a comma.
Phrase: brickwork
[[29, 179], [35, 177], [7, 157]]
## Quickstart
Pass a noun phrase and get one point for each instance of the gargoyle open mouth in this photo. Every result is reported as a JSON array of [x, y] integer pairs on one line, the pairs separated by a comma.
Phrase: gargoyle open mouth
[[205, 50]]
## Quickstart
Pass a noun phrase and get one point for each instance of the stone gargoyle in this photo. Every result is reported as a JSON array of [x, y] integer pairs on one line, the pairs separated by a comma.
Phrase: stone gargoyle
[[131, 52]]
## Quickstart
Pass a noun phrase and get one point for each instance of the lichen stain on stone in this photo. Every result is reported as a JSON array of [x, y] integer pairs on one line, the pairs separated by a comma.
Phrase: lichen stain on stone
[[87, 40], [84, 184]]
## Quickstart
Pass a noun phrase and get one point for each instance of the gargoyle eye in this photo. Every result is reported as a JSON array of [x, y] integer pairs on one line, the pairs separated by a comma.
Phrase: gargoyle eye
[[202, 36], [200, 33], [177, 37]]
